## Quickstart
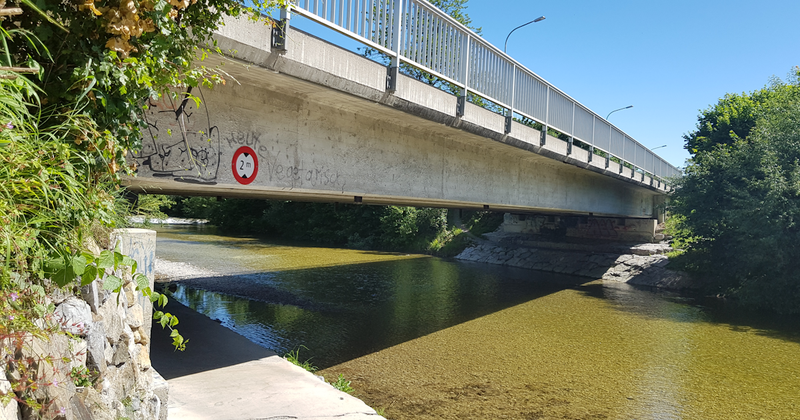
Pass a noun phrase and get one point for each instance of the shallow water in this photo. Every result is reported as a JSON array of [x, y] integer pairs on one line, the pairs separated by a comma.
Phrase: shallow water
[[426, 338]]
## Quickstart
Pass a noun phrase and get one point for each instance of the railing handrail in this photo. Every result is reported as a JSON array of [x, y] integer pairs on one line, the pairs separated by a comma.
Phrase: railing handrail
[[387, 26]]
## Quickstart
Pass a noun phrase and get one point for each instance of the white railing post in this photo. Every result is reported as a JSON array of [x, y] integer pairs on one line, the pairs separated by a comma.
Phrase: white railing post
[[510, 116], [461, 105], [543, 141], [394, 67]]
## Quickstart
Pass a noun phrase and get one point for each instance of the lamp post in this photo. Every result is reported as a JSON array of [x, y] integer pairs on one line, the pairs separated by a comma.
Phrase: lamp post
[[620, 109], [539, 19]]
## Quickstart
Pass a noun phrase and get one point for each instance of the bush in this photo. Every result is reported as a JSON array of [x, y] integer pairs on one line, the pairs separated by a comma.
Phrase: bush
[[738, 209]]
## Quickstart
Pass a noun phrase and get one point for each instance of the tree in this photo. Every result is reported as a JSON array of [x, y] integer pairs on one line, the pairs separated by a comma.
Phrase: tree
[[732, 118], [737, 209]]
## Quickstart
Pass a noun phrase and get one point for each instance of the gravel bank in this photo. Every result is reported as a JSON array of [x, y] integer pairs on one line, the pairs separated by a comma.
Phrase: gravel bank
[[243, 286]]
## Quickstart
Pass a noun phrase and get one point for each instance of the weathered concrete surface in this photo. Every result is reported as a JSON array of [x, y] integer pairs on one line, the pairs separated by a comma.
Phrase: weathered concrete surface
[[320, 126], [601, 228], [222, 375]]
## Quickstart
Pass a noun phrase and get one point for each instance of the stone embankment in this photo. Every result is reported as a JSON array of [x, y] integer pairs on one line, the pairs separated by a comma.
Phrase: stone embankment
[[99, 331], [641, 264]]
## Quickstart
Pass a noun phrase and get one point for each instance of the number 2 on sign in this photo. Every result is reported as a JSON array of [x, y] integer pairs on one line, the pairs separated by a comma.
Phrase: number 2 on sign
[[245, 165]]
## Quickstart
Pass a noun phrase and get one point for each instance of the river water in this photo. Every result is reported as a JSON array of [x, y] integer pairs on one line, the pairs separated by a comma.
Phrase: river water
[[426, 338]]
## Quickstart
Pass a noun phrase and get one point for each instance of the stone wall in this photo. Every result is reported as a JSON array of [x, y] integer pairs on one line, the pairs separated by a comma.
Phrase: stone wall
[[106, 332]]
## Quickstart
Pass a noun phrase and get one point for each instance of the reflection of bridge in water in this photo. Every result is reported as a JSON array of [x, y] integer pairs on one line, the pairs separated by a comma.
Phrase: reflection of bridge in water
[[311, 121]]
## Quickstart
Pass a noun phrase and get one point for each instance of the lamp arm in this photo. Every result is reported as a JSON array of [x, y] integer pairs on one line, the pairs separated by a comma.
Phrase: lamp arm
[[505, 46]]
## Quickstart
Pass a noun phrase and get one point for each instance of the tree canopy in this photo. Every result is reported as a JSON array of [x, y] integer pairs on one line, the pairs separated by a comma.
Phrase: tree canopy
[[737, 209], [733, 117]]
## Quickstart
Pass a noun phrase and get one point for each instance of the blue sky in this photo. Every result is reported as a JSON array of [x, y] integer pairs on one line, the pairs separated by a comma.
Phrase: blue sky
[[669, 59]]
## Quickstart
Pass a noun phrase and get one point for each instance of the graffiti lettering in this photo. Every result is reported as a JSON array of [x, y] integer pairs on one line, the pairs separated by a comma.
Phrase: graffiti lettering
[[298, 175], [174, 147], [236, 139]]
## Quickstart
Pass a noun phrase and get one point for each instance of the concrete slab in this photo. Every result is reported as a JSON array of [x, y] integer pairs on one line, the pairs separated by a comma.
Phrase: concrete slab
[[222, 375]]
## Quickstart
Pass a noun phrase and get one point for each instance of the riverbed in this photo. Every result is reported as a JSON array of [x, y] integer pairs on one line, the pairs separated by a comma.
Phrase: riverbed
[[426, 338]]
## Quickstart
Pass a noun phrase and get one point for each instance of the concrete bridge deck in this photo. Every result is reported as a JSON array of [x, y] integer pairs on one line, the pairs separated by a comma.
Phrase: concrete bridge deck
[[316, 123]]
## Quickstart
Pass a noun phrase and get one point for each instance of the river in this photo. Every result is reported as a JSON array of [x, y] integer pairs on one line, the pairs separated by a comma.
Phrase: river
[[426, 338]]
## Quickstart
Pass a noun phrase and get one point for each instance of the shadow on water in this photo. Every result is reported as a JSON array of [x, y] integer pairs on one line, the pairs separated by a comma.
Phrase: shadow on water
[[344, 312], [657, 303]]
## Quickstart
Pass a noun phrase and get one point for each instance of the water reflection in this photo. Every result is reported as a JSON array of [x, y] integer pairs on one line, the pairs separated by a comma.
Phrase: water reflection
[[435, 339], [364, 308]]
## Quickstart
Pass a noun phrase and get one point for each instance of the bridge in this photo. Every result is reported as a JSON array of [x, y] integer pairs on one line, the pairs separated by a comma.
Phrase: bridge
[[302, 119]]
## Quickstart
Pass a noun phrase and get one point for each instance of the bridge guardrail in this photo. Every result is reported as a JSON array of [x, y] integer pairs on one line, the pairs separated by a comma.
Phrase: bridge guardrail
[[419, 34]]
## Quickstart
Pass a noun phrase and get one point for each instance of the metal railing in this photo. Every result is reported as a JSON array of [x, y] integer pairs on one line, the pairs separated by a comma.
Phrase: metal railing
[[419, 34]]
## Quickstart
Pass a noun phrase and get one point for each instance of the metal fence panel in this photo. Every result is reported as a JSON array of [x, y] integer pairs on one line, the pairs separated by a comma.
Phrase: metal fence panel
[[490, 74], [629, 150], [530, 96], [640, 158], [584, 122], [559, 115], [617, 143], [602, 134], [429, 41]]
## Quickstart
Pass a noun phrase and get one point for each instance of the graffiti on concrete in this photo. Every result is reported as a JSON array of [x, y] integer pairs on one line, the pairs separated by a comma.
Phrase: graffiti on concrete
[[180, 142]]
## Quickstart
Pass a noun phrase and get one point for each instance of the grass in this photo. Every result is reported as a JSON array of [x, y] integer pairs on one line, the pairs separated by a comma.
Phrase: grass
[[455, 245], [294, 358], [342, 384]]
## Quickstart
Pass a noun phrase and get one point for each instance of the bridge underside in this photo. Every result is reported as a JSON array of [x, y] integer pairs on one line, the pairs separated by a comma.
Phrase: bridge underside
[[293, 129]]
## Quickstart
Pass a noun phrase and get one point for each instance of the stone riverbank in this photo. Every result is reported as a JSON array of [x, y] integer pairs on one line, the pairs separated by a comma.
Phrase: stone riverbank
[[640, 264]]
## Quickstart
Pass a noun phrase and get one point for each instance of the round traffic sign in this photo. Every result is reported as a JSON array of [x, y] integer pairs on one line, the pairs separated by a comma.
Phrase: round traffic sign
[[245, 165]]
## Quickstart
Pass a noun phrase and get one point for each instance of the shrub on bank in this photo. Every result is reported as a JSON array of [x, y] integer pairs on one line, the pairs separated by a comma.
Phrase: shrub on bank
[[738, 206]]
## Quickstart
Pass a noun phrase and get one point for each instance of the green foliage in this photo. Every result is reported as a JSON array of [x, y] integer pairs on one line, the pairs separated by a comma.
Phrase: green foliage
[[294, 357], [738, 207], [81, 376], [411, 227], [197, 207], [342, 384], [457, 10], [154, 205], [733, 117], [367, 227], [393, 228], [480, 222], [459, 241]]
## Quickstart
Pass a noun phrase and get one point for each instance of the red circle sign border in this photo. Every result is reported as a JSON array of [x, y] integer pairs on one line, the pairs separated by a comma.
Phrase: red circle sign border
[[239, 151]]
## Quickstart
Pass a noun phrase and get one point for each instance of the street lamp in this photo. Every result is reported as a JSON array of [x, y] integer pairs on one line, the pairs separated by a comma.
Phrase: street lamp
[[658, 147], [539, 19], [609, 114]]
